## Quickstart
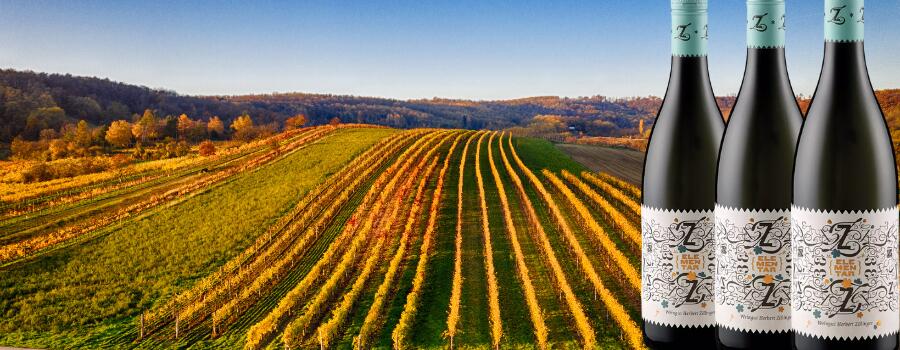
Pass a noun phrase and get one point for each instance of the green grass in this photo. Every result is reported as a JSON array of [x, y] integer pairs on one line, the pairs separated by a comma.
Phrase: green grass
[[57, 216], [606, 332], [517, 326], [556, 315], [79, 294], [474, 326], [236, 333], [89, 294], [430, 322], [540, 154], [52, 217]]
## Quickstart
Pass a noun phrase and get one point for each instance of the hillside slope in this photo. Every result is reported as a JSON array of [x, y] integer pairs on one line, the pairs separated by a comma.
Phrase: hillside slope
[[358, 237]]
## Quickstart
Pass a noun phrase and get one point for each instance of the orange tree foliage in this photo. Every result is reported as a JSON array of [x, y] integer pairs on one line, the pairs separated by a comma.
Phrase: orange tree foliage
[[207, 148]]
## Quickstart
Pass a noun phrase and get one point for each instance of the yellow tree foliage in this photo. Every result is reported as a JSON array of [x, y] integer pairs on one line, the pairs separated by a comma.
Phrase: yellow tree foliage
[[119, 134], [582, 324], [189, 129], [534, 309], [243, 128], [83, 136], [146, 128], [215, 127], [184, 124], [614, 307]]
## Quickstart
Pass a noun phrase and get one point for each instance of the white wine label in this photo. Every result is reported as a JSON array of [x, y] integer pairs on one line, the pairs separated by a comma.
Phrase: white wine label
[[753, 265], [845, 273], [677, 265]]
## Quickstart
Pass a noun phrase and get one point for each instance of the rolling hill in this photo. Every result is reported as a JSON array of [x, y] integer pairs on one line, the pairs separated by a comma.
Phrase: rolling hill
[[334, 236]]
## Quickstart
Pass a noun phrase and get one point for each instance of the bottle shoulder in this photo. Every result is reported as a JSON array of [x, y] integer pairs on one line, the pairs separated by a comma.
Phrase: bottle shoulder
[[680, 164]]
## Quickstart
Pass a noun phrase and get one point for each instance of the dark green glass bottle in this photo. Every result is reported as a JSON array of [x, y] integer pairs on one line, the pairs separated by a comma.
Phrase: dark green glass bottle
[[844, 237], [677, 305], [753, 193]]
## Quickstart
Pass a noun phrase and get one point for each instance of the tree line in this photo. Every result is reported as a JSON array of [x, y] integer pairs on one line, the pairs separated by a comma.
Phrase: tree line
[[49, 136], [99, 102], [29, 99]]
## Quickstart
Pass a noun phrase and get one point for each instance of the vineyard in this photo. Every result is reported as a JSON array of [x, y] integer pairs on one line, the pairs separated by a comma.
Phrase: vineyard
[[346, 236]]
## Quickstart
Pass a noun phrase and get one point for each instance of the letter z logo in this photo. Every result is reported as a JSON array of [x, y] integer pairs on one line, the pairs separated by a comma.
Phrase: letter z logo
[[680, 32], [836, 17], [760, 26]]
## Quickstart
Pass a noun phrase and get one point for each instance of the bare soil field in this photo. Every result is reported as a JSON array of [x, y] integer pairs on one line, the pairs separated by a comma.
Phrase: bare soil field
[[624, 163]]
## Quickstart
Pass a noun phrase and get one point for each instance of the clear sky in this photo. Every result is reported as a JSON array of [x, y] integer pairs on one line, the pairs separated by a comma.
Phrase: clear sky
[[407, 49]]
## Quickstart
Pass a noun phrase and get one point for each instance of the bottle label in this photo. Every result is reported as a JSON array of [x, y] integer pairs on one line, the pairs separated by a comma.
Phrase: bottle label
[[753, 264], [845, 273], [677, 265], [765, 24], [844, 20], [690, 29]]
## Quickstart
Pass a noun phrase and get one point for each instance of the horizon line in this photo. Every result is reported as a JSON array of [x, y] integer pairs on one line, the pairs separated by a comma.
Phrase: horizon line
[[479, 100], [375, 96]]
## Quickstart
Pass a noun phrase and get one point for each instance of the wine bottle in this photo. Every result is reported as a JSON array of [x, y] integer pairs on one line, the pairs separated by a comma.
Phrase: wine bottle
[[753, 193], [677, 305], [844, 216]]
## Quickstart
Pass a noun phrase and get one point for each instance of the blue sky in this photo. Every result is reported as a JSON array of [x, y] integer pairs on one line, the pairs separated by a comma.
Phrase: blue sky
[[407, 49]]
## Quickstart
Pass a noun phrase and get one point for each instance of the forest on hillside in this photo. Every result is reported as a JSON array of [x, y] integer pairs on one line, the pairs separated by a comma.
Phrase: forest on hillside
[[33, 102]]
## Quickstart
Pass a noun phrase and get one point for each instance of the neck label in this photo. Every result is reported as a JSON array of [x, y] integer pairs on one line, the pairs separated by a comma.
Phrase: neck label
[[766, 24], [844, 20], [690, 28]]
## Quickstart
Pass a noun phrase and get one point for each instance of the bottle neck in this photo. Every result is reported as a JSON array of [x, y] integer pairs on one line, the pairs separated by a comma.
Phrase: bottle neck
[[844, 77], [766, 24], [765, 66], [845, 61], [690, 29], [844, 21], [689, 76], [844, 66]]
